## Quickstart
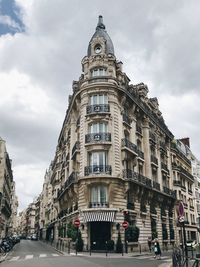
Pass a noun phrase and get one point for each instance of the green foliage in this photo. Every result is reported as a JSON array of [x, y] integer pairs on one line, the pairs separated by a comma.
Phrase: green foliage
[[79, 242], [110, 245], [132, 233], [71, 231], [119, 245]]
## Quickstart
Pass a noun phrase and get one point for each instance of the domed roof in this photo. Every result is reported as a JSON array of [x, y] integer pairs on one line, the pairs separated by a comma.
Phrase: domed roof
[[101, 32]]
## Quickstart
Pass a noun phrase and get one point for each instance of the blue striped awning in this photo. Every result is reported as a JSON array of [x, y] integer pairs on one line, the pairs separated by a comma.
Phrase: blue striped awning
[[98, 216]]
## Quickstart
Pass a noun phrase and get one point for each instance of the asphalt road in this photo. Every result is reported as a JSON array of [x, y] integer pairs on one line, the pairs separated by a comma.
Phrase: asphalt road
[[37, 254]]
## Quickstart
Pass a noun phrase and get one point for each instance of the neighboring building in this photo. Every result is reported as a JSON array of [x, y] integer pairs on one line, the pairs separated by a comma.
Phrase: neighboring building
[[184, 184], [30, 219], [112, 161], [14, 207], [7, 192]]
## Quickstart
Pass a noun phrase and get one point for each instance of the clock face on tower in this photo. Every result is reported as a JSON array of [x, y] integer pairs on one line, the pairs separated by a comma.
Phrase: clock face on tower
[[97, 49]]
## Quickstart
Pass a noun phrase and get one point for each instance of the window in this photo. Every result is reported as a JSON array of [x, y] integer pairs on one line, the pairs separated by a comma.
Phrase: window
[[99, 194], [98, 99], [99, 127], [97, 158], [98, 72]]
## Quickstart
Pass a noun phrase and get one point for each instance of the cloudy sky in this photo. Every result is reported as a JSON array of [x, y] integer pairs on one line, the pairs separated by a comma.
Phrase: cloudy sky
[[42, 43]]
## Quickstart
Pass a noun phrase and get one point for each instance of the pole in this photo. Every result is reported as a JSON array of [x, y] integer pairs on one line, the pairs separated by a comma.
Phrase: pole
[[185, 245], [76, 240]]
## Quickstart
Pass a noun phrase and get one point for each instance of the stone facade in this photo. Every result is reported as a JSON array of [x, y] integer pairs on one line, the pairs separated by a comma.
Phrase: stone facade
[[8, 200], [115, 161]]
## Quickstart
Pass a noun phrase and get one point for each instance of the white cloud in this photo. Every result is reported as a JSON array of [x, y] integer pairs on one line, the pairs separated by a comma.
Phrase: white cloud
[[157, 42], [7, 20]]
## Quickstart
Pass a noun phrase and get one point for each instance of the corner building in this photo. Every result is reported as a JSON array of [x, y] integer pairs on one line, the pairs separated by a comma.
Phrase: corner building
[[112, 161]]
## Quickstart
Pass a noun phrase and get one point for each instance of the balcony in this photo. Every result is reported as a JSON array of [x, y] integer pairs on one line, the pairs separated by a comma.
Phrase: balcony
[[97, 138], [140, 154], [126, 119], [75, 149], [156, 185], [139, 178], [130, 146], [98, 169], [186, 174], [98, 108], [164, 167], [177, 183], [101, 204], [190, 191], [138, 129], [154, 160], [162, 146], [152, 137], [169, 192], [72, 179]]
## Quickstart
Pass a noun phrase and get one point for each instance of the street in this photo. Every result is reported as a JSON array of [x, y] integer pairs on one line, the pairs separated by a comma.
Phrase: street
[[35, 253]]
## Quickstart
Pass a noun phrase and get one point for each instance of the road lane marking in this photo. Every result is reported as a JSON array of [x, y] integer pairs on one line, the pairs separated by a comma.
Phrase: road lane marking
[[28, 257], [55, 255], [42, 255], [14, 258]]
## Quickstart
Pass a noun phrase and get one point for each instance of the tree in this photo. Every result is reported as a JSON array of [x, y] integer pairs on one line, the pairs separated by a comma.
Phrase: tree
[[132, 233], [71, 231], [79, 242], [119, 245]]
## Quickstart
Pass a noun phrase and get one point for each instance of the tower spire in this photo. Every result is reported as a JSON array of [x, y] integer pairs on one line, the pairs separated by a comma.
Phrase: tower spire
[[100, 24]]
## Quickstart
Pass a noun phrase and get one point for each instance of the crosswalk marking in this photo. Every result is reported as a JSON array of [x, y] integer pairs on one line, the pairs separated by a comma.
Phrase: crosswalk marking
[[28, 257], [42, 255], [14, 258]]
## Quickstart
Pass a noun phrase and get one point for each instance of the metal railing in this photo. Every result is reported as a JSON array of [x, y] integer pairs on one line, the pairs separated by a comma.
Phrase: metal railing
[[98, 137], [98, 108], [130, 145], [96, 169], [101, 204]]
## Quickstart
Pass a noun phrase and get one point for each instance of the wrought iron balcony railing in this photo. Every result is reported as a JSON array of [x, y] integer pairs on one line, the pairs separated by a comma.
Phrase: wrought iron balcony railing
[[138, 129], [164, 167], [98, 108], [75, 148], [101, 204], [97, 137], [152, 137], [154, 160], [97, 169], [140, 154], [127, 173], [126, 119], [126, 143], [156, 185], [71, 180], [169, 192]]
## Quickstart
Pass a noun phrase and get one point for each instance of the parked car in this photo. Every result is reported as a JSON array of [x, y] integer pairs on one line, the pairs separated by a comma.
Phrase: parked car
[[191, 244], [34, 237]]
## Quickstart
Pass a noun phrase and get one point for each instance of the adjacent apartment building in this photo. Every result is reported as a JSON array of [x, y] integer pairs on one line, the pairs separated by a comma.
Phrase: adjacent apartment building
[[8, 199]]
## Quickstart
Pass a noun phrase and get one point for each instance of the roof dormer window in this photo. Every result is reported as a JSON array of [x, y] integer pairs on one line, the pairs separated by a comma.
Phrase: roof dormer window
[[98, 72]]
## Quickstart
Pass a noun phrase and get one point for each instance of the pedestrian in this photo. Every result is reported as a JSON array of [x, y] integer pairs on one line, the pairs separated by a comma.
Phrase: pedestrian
[[149, 243], [157, 249]]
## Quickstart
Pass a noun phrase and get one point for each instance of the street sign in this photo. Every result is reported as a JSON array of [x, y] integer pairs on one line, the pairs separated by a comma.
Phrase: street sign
[[77, 223], [125, 224]]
